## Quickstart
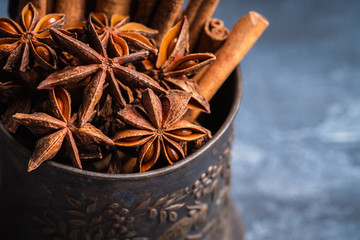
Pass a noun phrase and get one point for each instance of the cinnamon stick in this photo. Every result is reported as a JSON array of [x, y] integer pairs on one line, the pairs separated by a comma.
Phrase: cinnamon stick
[[145, 11], [242, 37], [39, 4], [74, 10], [213, 36], [165, 17], [204, 13], [110, 7], [192, 9], [50, 6]]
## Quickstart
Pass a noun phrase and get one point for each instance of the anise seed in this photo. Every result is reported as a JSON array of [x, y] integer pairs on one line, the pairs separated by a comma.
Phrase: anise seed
[[132, 139], [149, 154], [3, 45], [44, 53], [28, 18], [182, 132], [48, 22], [187, 64], [8, 27], [119, 49], [172, 154], [60, 104], [171, 46]]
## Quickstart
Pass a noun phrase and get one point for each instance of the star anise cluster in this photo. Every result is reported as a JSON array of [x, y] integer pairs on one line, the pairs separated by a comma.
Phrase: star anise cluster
[[88, 94]]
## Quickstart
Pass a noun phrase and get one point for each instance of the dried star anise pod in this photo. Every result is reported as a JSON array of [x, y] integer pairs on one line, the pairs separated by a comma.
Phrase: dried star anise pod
[[105, 117], [23, 45], [10, 90], [19, 105], [174, 66], [158, 128], [58, 128], [118, 31], [18, 95], [119, 162], [101, 68]]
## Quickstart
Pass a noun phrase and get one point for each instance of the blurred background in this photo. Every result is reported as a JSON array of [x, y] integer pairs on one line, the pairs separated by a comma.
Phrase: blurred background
[[296, 155]]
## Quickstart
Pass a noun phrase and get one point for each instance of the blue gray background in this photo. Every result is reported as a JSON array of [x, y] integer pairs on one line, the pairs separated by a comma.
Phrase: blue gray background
[[296, 156]]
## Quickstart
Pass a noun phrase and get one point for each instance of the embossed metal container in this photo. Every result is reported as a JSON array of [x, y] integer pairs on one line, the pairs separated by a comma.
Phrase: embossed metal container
[[188, 200]]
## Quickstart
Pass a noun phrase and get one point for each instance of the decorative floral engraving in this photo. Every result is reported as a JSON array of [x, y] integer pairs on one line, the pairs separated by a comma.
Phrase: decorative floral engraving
[[86, 222], [165, 209], [208, 182], [194, 212], [181, 230]]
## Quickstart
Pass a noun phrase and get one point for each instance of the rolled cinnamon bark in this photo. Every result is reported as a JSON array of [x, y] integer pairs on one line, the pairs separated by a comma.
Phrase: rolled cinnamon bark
[[192, 9], [213, 36], [204, 13], [50, 6], [74, 10], [242, 37], [165, 17], [39, 4], [145, 11], [110, 7]]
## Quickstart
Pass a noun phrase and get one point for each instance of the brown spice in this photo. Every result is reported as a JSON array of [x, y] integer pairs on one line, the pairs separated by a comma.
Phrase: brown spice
[[192, 9], [18, 96], [100, 67], [166, 16], [111, 7], [58, 128], [50, 6], [242, 37], [10, 90], [105, 117], [145, 11], [109, 59], [121, 162], [119, 32], [203, 14], [213, 36], [21, 105], [26, 44], [73, 9], [175, 67], [162, 133], [41, 6]]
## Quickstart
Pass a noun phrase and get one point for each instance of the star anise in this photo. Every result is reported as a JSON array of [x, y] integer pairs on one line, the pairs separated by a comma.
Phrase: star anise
[[158, 128], [175, 67], [118, 30], [22, 45], [18, 96], [101, 68], [10, 90], [57, 128], [20, 105], [105, 118]]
